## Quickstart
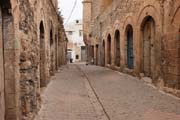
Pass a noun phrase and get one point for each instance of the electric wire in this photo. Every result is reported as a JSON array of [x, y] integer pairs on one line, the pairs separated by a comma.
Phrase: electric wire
[[70, 15]]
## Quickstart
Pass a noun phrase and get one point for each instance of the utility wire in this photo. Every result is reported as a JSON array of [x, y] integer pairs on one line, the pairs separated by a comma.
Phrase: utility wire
[[70, 15]]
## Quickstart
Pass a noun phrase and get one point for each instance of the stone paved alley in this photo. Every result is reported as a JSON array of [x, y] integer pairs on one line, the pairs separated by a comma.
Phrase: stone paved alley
[[79, 92]]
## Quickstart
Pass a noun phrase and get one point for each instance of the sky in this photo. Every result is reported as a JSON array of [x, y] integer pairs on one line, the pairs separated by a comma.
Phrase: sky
[[66, 8]]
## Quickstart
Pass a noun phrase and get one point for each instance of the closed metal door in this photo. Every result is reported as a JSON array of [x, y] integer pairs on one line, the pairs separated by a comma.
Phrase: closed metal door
[[130, 55], [83, 54]]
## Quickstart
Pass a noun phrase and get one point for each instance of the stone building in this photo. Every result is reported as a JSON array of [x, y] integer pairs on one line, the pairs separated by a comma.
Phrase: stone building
[[139, 37], [32, 48], [75, 46]]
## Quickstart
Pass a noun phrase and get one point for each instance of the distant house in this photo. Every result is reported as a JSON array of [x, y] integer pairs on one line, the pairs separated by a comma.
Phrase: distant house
[[76, 46]]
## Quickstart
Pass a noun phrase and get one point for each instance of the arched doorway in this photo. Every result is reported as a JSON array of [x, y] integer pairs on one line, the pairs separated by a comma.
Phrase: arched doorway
[[92, 54], [59, 48], [130, 50], [8, 68], [117, 48], [51, 53], [148, 39], [56, 52], [103, 53], [109, 49], [42, 56], [97, 54]]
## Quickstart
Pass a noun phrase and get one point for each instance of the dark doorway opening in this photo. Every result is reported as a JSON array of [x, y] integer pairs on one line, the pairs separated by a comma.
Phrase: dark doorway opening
[[117, 48], [97, 54], [109, 49], [103, 53], [92, 54], [51, 53], [130, 52], [42, 56]]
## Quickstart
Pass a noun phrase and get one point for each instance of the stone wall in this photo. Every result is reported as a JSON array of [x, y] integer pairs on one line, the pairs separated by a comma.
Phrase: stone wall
[[25, 27], [2, 104], [154, 51]]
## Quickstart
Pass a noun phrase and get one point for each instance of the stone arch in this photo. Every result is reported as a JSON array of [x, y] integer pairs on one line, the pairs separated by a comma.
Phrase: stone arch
[[148, 40], [117, 47], [129, 46], [8, 46], [149, 10], [128, 20], [109, 49], [42, 54]]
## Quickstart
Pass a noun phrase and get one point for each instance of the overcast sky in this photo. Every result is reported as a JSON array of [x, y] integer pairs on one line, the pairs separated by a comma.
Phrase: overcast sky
[[66, 8]]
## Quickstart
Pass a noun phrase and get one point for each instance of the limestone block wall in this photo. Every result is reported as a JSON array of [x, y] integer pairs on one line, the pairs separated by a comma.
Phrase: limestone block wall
[[25, 54], [149, 37]]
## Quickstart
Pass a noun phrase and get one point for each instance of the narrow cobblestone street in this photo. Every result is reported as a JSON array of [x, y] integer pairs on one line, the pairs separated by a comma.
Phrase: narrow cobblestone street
[[79, 92]]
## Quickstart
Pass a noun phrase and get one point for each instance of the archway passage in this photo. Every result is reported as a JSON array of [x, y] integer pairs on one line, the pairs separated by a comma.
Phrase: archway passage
[[97, 55], [51, 53], [148, 37], [130, 52], [109, 49], [103, 53], [42, 56], [92, 54], [56, 52], [117, 48]]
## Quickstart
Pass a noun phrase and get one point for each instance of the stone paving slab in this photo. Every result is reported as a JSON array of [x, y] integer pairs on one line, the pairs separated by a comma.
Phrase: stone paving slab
[[66, 98], [127, 98], [80, 92]]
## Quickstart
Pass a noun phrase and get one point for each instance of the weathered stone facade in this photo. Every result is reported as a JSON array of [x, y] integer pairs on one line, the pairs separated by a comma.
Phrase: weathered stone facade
[[32, 47], [140, 37]]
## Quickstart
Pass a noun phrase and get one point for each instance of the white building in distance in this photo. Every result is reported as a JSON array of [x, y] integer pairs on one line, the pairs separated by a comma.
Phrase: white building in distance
[[76, 46]]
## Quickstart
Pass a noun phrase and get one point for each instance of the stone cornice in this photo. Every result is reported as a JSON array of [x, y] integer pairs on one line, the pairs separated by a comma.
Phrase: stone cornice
[[87, 1]]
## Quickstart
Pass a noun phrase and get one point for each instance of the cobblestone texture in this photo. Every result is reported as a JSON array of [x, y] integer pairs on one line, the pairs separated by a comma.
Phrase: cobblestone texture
[[123, 97], [66, 98], [127, 98]]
